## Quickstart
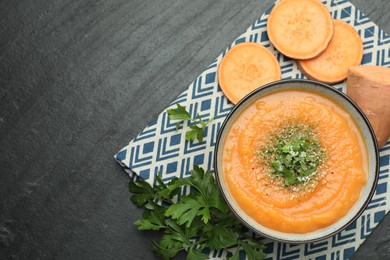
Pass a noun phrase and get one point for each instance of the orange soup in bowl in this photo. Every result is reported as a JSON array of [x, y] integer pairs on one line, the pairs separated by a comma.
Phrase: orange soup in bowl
[[294, 161]]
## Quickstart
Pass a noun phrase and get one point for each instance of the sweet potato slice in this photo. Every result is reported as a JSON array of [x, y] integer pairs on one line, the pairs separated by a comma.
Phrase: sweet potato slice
[[300, 29], [369, 87], [344, 50], [246, 67]]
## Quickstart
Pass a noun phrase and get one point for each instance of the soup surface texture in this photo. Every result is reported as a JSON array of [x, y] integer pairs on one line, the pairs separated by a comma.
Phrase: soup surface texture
[[309, 205]]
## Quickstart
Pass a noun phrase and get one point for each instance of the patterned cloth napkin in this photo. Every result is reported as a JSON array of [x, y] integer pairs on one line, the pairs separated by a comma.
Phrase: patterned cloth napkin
[[159, 148]]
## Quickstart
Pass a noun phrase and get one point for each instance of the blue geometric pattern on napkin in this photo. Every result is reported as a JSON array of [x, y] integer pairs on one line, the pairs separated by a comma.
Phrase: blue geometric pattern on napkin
[[160, 148]]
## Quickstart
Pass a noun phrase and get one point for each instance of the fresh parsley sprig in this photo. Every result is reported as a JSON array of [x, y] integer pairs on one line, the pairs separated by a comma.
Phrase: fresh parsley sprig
[[197, 127], [194, 222]]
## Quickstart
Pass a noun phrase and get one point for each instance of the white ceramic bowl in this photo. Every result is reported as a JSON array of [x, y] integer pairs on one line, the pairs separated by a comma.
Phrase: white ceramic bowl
[[368, 136]]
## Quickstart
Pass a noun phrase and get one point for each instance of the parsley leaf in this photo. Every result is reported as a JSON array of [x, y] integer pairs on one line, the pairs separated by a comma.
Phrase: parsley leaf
[[235, 256], [198, 128], [194, 222], [253, 251], [221, 236], [179, 113], [166, 193], [195, 132], [196, 255], [167, 248], [153, 218], [143, 192], [185, 211]]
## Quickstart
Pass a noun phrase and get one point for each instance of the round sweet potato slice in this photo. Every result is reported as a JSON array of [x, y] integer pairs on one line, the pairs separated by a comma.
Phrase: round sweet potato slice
[[246, 67], [300, 29], [344, 50]]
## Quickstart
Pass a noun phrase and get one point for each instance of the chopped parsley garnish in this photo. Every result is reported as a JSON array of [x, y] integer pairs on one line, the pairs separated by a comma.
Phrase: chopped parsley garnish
[[294, 153]]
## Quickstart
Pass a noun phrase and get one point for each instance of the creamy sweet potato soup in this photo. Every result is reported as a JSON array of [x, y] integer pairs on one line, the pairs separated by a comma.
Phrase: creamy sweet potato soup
[[294, 161]]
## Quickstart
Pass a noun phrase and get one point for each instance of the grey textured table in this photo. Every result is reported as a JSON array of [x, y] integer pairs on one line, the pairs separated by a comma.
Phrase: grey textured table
[[80, 78]]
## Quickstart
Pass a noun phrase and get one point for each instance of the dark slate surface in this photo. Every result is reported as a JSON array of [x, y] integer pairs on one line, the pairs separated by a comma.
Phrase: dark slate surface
[[80, 78]]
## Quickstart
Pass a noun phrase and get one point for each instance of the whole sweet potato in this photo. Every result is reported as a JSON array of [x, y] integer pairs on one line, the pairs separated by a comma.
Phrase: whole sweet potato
[[369, 87]]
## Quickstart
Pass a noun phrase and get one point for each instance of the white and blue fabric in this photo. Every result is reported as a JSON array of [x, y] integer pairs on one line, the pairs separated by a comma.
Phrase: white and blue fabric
[[159, 148]]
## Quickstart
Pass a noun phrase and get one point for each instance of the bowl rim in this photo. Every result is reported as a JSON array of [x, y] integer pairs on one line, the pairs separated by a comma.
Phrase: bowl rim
[[371, 135]]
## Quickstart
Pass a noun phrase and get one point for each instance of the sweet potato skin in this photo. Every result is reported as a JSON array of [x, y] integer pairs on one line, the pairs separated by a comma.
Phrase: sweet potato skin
[[372, 95]]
